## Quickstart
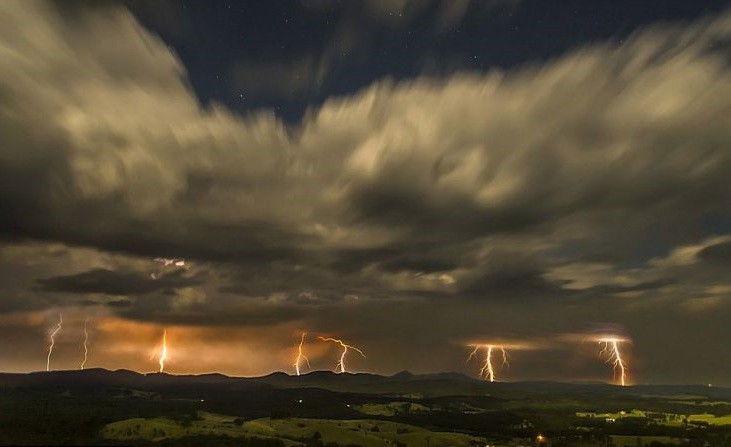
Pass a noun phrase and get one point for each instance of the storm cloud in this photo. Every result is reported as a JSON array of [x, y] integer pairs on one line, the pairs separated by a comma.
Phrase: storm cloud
[[112, 282], [599, 176]]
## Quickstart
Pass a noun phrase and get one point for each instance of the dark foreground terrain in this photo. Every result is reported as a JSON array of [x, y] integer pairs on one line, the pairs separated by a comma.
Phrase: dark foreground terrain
[[324, 409]]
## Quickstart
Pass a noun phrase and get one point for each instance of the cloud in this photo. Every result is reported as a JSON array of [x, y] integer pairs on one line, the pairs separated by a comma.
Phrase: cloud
[[111, 282], [446, 167], [580, 187], [249, 315], [718, 253]]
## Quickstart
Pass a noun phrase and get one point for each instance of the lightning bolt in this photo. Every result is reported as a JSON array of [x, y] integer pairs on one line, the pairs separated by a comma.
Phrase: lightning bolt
[[301, 356], [611, 353], [86, 346], [164, 351], [340, 367], [53, 341], [487, 371]]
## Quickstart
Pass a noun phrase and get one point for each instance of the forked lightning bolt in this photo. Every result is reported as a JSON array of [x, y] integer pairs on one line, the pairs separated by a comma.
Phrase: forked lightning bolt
[[340, 367], [612, 355], [487, 371], [86, 346], [53, 341], [301, 356]]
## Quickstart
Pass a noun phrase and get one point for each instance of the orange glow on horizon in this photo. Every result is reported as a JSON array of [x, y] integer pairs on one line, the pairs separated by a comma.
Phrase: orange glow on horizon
[[194, 350]]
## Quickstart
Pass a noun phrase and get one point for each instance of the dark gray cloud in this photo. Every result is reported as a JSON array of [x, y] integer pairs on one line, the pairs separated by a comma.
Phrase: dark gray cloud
[[179, 180], [511, 281], [609, 289], [717, 254], [111, 282], [114, 304], [210, 315]]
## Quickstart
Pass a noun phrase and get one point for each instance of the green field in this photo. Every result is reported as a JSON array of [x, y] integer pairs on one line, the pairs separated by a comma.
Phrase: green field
[[291, 431], [391, 408], [101, 407], [669, 419], [711, 419], [633, 441], [618, 415]]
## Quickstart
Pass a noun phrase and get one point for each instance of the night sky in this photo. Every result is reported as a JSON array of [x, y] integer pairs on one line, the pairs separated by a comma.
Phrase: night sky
[[411, 176]]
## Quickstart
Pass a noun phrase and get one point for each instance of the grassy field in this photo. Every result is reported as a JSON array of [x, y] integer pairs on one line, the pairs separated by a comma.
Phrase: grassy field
[[619, 415], [670, 419], [710, 419], [158, 429], [291, 431], [391, 408], [633, 441]]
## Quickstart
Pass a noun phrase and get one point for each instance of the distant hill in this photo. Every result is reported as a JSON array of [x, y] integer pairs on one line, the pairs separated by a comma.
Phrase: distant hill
[[403, 384], [455, 384]]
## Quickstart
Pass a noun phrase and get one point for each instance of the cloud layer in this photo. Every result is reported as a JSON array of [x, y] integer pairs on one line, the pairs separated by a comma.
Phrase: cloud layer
[[595, 181]]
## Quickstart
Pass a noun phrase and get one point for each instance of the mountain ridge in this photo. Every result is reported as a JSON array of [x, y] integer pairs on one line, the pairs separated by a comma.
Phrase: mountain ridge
[[401, 383]]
